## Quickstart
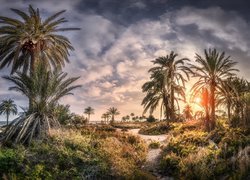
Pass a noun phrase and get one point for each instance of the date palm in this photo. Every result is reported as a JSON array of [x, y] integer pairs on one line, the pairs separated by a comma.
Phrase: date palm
[[8, 107], [212, 69], [113, 112], [106, 117], [228, 96], [29, 39], [173, 69], [156, 94], [89, 110], [46, 88]]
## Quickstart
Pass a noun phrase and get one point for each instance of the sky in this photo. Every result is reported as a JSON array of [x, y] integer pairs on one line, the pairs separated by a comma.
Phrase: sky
[[119, 39]]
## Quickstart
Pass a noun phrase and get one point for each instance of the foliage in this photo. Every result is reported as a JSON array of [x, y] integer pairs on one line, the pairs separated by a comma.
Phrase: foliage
[[155, 128], [154, 145], [195, 154], [77, 121], [8, 107], [62, 113], [212, 70], [151, 119], [127, 125], [67, 154], [45, 88], [28, 39], [166, 81], [113, 112], [89, 110]]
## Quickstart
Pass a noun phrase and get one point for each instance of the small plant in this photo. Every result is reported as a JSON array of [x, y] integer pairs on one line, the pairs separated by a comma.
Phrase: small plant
[[151, 119], [154, 145]]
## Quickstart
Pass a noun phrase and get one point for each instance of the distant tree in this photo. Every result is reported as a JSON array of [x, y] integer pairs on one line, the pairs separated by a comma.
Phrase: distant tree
[[124, 118], [113, 112], [62, 113], [89, 110], [106, 117], [187, 112], [128, 117], [8, 107], [151, 118]]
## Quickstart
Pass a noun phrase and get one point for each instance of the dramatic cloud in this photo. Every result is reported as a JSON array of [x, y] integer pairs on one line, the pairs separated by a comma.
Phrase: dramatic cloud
[[117, 42]]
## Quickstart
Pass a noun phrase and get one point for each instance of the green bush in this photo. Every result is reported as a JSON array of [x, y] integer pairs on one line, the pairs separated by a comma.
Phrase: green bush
[[194, 154], [71, 155], [155, 129], [151, 119], [154, 145]]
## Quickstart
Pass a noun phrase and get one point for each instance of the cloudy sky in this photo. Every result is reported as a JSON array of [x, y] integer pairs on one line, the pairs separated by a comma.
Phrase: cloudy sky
[[119, 39]]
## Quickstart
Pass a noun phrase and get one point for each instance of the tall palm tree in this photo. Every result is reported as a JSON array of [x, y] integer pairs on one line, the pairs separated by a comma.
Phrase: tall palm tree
[[165, 82], [46, 88], [212, 70], [113, 112], [173, 69], [89, 110], [227, 96], [29, 40], [156, 94], [8, 107]]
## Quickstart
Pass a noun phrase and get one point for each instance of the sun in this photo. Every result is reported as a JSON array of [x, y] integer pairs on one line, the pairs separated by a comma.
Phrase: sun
[[197, 100]]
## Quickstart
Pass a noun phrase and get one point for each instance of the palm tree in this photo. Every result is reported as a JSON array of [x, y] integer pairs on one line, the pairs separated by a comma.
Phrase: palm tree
[[227, 96], [156, 94], [8, 107], [188, 112], [106, 117], [46, 88], [113, 112], [173, 69], [212, 70], [89, 110], [29, 40]]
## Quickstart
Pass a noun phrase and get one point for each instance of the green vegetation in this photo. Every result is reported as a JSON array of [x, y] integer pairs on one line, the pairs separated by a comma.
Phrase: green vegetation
[[155, 128], [154, 145], [8, 107], [75, 154], [166, 81], [89, 110], [196, 154], [128, 125], [49, 142]]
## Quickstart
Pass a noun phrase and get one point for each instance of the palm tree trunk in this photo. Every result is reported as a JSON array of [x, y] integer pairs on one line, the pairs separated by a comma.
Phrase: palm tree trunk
[[229, 112], [33, 62], [89, 117], [172, 114], [212, 102], [8, 114]]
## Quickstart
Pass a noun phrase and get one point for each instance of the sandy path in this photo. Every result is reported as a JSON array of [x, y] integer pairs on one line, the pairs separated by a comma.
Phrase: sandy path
[[153, 155]]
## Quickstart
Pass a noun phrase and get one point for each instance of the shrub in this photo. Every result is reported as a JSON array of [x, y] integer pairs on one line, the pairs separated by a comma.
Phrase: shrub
[[155, 129], [151, 119], [154, 145], [69, 154], [170, 165]]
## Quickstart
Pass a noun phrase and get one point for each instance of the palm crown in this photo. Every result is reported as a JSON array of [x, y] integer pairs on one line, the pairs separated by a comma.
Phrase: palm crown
[[24, 42], [8, 107], [212, 70]]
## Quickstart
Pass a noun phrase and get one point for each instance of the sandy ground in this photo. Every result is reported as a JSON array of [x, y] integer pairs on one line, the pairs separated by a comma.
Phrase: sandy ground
[[153, 155]]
